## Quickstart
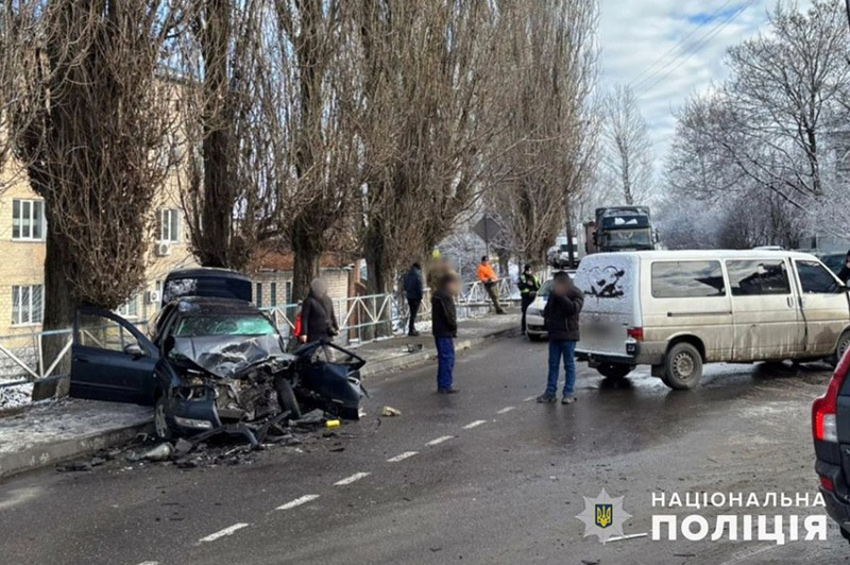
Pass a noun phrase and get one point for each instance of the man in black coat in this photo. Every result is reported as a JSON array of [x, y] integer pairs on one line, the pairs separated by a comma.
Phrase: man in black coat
[[414, 290], [444, 328], [318, 320], [561, 317]]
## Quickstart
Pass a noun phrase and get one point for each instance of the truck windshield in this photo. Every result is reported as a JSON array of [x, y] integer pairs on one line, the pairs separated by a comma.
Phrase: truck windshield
[[628, 238]]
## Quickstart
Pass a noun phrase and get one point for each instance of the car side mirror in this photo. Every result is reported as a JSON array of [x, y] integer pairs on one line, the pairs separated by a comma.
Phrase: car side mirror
[[134, 350]]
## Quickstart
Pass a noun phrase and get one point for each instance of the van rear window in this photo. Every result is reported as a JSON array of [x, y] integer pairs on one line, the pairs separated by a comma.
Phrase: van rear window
[[687, 279]]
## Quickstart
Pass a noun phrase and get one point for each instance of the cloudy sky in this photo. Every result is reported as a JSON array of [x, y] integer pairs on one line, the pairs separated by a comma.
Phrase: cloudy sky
[[667, 49]]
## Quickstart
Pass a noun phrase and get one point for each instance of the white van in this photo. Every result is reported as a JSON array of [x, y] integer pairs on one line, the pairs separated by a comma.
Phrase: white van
[[676, 310]]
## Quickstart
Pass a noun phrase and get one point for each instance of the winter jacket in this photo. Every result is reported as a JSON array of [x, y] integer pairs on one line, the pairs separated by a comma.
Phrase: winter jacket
[[413, 286], [561, 314], [528, 284], [486, 274], [318, 320], [844, 274], [443, 315]]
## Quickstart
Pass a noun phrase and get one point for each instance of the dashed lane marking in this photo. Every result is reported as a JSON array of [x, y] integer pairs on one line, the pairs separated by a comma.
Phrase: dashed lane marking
[[474, 424], [624, 538], [298, 502], [402, 456], [529, 399], [353, 478], [439, 440], [149, 563], [506, 409], [222, 533]]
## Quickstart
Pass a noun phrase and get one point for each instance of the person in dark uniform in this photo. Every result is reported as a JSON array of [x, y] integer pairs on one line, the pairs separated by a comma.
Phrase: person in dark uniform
[[414, 290], [528, 286]]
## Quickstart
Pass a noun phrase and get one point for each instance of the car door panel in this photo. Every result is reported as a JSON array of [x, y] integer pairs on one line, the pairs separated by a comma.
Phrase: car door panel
[[101, 369], [825, 306]]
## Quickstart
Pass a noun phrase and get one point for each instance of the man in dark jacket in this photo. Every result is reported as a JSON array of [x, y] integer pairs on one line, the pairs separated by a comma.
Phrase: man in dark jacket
[[444, 328], [528, 286], [318, 320], [414, 291], [561, 316], [844, 273]]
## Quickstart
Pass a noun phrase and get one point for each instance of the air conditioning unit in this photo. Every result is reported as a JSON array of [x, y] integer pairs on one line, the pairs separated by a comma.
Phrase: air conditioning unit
[[163, 249], [153, 297]]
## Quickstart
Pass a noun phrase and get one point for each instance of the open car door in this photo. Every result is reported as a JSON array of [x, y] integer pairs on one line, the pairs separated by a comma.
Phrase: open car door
[[111, 359]]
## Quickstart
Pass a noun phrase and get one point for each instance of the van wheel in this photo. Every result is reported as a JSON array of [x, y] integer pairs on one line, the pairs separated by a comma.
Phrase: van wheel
[[843, 344], [614, 371], [160, 419], [286, 398], [682, 367]]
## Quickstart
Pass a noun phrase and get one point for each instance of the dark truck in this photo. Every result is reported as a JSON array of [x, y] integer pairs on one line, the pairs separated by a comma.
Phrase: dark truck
[[831, 431], [620, 228]]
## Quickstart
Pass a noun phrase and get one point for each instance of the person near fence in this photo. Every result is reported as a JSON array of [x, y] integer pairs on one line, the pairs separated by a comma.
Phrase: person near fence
[[414, 291], [318, 320], [444, 328], [528, 285], [488, 277], [561, 315]]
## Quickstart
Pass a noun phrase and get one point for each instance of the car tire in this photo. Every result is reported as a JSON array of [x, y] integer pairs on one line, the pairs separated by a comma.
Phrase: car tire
[[286, 398], [160, 419], [843, 344], [682, 367], [614, 371]]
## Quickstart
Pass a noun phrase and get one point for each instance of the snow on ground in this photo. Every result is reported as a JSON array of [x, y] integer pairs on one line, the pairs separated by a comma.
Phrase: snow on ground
[[15, 396]]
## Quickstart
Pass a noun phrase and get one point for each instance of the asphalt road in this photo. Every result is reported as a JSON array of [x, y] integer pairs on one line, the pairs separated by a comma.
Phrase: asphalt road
[[486, 476]]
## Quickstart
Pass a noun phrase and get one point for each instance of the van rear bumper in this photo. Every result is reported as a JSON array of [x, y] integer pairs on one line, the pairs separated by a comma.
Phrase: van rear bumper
[[645, 353]]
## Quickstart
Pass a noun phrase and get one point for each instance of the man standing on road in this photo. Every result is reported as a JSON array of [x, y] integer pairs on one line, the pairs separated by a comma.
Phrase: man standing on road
[[528, 286], [561, 319], [444, 328], [488, 277], [413, 291]]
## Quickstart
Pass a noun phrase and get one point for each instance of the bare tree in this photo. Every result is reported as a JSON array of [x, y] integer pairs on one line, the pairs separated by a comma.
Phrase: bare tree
[[627, 150]]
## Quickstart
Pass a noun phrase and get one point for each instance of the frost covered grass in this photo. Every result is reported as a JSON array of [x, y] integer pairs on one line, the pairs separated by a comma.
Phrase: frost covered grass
[[15, 396]]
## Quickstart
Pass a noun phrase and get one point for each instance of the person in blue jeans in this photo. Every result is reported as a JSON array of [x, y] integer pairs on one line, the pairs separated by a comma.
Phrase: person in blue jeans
[[444, 328], [560, 316]]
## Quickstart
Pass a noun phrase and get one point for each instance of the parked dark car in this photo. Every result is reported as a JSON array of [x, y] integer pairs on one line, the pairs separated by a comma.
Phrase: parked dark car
[[831, 431], [213, 361]]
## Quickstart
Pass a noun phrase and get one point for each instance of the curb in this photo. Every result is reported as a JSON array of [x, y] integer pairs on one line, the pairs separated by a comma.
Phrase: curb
[[57, 452], [377, 368]]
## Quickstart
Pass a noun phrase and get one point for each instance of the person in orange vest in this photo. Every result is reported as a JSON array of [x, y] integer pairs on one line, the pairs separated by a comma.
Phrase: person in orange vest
[[489, 279]]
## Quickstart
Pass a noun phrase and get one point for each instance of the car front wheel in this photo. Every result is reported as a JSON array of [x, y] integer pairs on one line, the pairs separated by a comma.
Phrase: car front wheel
[[843, 344], [682, 367]]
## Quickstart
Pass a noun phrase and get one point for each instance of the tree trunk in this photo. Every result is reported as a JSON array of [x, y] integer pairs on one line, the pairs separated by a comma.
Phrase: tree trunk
[[60, 307], [307, 256]]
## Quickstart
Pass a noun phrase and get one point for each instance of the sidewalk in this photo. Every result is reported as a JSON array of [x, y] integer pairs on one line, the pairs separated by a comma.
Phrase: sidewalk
[[52, 432]]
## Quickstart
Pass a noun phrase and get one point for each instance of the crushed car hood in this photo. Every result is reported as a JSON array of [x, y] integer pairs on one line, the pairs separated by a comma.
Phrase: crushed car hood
[[227, 356]]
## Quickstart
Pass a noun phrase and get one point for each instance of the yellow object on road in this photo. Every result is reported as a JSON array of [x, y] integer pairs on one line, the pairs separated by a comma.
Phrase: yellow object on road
[[332, 424]]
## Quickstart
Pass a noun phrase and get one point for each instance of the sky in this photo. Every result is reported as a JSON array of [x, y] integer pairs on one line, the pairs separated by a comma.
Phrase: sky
[[668, 49]]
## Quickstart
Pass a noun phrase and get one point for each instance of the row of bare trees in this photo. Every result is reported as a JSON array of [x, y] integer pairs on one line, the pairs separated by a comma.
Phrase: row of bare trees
[[368, 126]]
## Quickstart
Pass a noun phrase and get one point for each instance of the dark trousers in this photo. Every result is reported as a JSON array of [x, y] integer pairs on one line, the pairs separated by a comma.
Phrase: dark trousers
[[493, 291], [413, 307], [445, 361], [527, 299]]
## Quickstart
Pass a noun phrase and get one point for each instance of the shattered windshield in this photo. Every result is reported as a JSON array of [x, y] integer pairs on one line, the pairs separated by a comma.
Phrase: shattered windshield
[[246, 325]]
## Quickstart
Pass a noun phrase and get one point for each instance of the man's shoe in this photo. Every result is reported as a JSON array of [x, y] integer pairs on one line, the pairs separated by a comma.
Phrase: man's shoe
[[450, 390], [546, 398], [414, 333], [568, 400], [501, 312]]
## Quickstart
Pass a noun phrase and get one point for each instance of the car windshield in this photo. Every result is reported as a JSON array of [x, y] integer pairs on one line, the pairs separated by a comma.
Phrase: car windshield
[[628, 238], [245, 325]]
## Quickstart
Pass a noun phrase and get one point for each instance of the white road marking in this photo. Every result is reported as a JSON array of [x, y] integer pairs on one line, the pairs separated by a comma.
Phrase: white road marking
[[632, 536], [353, 478], [439, 440], [149, 563], [298, 502], [402, 456], [222, 533], [529, 399], [474, 424], [506, 409]]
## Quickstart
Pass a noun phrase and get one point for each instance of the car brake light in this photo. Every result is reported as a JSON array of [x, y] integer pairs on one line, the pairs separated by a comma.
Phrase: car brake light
[[827, 484], [636, 334], [824, 424]]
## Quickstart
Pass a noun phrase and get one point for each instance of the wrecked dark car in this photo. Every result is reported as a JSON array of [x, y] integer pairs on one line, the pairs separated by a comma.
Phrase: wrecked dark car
[[213, 362]]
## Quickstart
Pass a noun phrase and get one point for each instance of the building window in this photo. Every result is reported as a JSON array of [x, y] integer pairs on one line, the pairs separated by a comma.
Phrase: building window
[[27, 304], [289, 292], [258, 298], [169, 225], [130, 309], [28, 220], [273, 291]]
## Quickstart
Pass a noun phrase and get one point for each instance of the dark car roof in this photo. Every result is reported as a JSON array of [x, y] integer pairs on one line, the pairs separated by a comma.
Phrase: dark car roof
[[205, 306]]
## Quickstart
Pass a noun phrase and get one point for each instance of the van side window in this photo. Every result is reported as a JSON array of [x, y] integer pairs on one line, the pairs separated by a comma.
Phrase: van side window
[[687, 279], [758, 277], [815, 279]]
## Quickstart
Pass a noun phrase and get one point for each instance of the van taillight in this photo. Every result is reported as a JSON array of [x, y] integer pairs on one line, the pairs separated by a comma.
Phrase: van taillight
[[636, 334], [824, 424]]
